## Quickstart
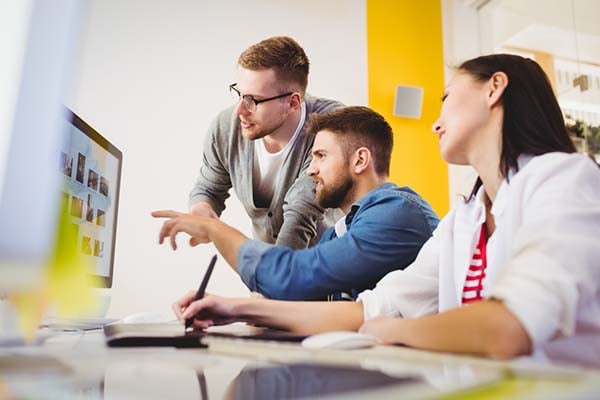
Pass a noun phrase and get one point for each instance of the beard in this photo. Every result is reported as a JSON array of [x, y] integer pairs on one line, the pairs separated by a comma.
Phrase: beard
[[332, 196]]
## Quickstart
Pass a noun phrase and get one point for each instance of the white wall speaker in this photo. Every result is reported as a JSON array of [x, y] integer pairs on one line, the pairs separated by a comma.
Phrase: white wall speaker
[[408, 101]]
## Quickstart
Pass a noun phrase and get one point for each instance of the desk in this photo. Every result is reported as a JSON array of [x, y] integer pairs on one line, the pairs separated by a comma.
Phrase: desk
[[79, 365]]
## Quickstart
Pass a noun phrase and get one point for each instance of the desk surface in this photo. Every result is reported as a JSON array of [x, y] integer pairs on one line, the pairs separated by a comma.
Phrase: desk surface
[[79, 365]]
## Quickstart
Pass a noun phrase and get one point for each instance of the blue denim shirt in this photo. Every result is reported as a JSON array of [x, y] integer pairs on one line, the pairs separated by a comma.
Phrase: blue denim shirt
[[384, 231]]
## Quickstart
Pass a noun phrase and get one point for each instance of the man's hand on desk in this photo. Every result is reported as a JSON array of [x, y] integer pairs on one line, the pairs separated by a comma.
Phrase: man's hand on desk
[[208, 311]]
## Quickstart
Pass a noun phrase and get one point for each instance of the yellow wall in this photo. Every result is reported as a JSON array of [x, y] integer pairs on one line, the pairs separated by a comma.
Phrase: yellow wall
[[404, 42]]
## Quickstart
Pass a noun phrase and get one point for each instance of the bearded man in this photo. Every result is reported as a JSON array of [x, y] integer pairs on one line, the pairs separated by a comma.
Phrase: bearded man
[[383, 229]]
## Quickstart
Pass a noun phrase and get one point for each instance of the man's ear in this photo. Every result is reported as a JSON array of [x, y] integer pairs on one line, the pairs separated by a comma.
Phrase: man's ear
[[295, 101], [496, 84], [361, 160]]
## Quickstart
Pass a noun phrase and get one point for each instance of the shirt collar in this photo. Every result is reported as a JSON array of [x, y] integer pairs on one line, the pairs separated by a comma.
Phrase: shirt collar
[[501, 199], [360, 202]]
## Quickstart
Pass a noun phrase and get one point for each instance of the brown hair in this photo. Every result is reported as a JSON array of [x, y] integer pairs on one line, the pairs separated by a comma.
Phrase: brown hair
[[281, 53], [358, 127]]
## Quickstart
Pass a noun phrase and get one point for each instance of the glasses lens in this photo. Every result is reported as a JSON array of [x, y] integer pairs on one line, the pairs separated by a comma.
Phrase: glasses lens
[[249, 103]]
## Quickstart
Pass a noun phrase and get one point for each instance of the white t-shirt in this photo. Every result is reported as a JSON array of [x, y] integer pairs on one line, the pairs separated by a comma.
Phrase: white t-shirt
[[266, 166]]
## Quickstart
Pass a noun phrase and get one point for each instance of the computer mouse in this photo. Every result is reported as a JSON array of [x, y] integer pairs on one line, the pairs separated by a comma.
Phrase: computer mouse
[[148, 317], [339, 340]]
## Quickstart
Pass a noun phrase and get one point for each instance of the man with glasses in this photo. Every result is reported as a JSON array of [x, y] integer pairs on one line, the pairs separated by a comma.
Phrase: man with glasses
[[259, 147]]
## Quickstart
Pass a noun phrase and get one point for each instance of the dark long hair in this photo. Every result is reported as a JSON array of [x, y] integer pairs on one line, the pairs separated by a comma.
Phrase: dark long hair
[[533, 122]]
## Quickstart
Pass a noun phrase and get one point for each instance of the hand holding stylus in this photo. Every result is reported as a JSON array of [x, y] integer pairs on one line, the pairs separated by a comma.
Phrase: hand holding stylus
[[202, 289]]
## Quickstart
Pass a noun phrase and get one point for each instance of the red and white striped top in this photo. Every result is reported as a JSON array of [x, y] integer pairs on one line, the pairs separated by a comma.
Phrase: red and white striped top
[[476, 272]]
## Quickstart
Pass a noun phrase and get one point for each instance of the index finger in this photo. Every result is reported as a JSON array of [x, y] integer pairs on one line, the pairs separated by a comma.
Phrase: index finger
[[194, 308], [165, 214]]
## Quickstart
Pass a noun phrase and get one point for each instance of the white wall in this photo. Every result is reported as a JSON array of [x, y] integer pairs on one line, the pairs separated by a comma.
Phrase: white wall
[[462, 41], [152, 76]]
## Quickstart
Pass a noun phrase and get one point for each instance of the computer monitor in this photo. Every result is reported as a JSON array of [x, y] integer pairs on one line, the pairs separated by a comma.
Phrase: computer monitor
[[90, 167], [37, 48]]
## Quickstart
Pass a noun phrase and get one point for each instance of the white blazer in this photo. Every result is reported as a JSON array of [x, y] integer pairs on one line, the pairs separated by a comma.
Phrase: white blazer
[[543, 260]]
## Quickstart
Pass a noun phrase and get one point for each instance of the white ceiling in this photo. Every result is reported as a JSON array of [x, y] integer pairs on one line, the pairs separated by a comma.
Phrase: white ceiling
[[567, 28], [558, 41]]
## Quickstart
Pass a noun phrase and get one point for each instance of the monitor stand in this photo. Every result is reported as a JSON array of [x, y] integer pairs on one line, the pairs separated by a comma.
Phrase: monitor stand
[[94, 319]]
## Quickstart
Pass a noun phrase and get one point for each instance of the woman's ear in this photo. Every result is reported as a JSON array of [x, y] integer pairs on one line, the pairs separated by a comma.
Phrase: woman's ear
[[362, 160], [497, 84]]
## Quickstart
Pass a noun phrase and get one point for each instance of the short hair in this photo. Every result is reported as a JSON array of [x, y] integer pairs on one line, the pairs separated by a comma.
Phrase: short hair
[[281, 53], [358, 127]]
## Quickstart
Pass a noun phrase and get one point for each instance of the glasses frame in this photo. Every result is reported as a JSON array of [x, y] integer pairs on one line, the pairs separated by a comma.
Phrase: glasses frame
[[249, 101]]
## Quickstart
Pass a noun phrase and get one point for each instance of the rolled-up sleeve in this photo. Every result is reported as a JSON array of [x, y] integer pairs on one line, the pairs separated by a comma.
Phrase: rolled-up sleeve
[[249, 256]]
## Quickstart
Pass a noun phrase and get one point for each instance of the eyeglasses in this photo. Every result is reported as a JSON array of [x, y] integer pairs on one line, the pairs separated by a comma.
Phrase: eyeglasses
[[250, 103]]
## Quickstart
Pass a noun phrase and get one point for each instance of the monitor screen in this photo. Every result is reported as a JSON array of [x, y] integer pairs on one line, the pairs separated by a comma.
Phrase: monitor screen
[[90, 169]]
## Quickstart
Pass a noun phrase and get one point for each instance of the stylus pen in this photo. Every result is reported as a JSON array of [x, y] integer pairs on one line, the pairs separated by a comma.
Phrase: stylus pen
[[202, 288]]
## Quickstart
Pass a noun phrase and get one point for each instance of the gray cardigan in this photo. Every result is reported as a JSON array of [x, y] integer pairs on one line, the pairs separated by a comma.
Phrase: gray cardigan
[[292, 219]]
